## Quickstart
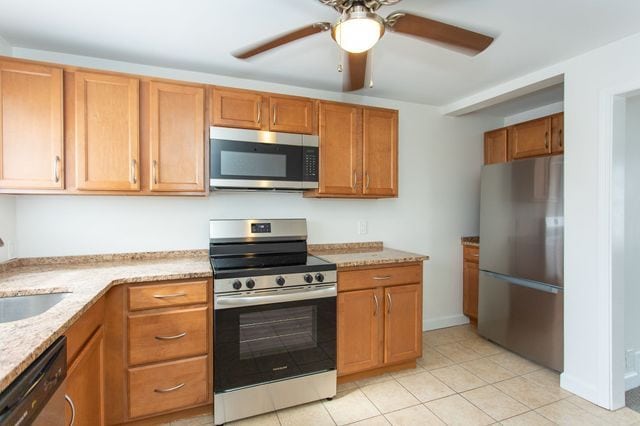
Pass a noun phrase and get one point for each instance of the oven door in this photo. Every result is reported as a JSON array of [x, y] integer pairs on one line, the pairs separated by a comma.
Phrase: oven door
[[258, 342]]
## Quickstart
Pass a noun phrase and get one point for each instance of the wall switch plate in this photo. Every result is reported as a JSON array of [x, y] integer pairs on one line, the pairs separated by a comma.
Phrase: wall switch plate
[[363, 227]]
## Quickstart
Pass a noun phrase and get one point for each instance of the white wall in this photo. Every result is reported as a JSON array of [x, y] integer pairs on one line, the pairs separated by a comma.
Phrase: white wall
[[7, 226], [439, 168], [532, 114], [5, 47], [632, 241]]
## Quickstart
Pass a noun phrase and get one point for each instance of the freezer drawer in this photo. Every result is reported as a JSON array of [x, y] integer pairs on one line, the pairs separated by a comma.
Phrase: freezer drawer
[[522, 319]]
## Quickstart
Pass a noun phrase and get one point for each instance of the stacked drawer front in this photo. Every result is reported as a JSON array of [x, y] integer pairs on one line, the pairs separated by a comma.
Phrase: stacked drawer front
[[168, 345]]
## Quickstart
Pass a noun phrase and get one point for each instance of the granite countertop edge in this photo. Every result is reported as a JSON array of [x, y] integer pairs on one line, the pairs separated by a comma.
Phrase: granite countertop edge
[[473, 241], [25, 340], [352, 255]]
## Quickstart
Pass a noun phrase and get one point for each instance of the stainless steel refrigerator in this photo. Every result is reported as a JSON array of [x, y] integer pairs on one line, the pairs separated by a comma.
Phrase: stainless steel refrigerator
[[521, 258]]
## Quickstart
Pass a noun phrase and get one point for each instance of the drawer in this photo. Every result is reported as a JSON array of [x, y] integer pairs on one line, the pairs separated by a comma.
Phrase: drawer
[[471, 254], [379, 277], [153, 296], [169, 386], [168, 335]]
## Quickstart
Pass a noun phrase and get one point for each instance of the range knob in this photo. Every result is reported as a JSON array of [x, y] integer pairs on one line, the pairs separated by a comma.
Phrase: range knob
[[319, 277], [308, 278], [237, 284], [250, 283], [280, 280]]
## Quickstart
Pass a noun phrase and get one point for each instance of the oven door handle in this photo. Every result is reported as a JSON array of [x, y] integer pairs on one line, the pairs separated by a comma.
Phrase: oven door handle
[[281, 296]]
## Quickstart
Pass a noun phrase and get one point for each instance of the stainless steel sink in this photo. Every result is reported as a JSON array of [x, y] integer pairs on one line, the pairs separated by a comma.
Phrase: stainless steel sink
[[21, 307]]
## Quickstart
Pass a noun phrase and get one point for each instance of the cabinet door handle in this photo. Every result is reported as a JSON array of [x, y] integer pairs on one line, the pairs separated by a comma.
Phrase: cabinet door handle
[[171, 389], [382, 277], [134, 180], [390, 303], [177, 336], [355, 180], [73, 409], [367, 176], [275, 109], [168, 296], [56, 169], [259, 115], [155, 172], [375, 299], [546, 140], [560, 138]]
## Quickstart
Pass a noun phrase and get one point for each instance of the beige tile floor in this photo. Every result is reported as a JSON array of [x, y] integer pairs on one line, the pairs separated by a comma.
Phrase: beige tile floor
[[461, 379]]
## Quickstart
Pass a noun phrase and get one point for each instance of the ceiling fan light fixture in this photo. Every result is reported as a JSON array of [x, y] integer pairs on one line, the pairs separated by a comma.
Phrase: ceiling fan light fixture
[[358, 30]]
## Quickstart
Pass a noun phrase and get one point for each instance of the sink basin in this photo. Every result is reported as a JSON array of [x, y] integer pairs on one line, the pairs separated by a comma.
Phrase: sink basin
[[21, 307]]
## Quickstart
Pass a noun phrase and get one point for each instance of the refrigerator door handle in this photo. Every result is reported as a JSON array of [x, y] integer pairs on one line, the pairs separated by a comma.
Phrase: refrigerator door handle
[[535, 285]]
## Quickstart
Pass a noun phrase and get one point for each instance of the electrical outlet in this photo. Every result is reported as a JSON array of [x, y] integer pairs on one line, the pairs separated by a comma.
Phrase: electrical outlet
[[363, 227], [11, 249], [629, 359]]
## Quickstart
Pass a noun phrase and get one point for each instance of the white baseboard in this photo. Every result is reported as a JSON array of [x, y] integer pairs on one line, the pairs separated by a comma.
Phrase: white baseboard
[[580, 388], [632, 377], [443, 322]]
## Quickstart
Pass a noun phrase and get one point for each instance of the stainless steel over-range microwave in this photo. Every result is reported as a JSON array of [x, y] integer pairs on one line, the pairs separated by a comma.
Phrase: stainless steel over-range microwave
[[254, 159]]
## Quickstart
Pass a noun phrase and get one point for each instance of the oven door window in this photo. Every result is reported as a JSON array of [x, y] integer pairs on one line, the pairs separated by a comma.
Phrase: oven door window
[[259, 344], [255, 161]]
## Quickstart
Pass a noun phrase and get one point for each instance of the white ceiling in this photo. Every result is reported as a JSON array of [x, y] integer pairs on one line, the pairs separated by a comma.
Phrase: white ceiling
[[200, 34]]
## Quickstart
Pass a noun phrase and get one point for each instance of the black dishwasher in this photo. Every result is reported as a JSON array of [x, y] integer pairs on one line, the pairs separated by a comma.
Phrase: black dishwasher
[[36, 397]]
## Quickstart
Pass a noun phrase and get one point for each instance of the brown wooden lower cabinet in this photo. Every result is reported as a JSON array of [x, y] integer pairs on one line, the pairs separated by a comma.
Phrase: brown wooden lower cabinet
[[85, 389], [470, 278], [159, 349], [379, 326]]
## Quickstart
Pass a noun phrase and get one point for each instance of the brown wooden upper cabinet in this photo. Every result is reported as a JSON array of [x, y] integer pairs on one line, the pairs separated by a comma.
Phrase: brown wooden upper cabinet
[[358, 151], [557, 133], [106, 132], [380, 152], [543, 136], [260, 111], [31, 123], [531, 138], [340, 141], [496, 147], [177, 137]]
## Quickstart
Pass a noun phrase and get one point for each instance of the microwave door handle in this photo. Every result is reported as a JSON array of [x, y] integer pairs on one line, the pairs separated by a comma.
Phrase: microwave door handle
[[223, 302]]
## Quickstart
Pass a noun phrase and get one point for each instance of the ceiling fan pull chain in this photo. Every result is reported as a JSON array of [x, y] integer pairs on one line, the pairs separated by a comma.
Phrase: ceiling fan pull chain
[[371, 68]]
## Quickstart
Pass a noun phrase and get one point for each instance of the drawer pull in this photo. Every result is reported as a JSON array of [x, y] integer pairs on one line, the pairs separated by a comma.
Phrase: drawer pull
[[390, 303], [171, 389], [177, 336], [167, 296], [382, 277]]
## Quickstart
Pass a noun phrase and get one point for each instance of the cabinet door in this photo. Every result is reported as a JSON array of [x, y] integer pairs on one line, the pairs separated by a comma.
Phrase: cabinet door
[[402, 327], [380, 152], [31, 147], [176, 132], [85, 384], [292, 115], [359, 314], [557, 133], [106, 132], [470, 290], [239, 108], [531, 138], [496, 147], [340, 138]]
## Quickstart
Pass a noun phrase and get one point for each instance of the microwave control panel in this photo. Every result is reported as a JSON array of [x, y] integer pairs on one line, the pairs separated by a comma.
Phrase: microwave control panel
[[310, 164]]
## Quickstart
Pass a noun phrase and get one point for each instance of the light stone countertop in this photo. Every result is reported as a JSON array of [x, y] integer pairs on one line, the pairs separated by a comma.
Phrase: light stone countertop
[[351, 255], [87, 278]]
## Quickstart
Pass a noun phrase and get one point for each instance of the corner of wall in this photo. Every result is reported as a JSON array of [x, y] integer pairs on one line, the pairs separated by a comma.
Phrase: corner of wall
[[5, 47]]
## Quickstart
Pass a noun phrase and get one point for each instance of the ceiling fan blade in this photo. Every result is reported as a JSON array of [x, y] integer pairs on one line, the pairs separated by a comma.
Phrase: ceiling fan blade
[[355, 72], [418, 26], [315, 28]]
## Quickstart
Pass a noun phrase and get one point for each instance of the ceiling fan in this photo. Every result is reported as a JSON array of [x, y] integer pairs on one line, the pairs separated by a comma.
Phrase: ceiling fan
[[359, 28]]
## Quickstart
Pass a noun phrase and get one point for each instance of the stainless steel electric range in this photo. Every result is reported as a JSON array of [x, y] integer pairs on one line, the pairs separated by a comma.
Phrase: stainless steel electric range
[[274, 318]]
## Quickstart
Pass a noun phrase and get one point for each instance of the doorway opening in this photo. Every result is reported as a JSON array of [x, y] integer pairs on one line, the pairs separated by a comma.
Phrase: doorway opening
[[625, 215]]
